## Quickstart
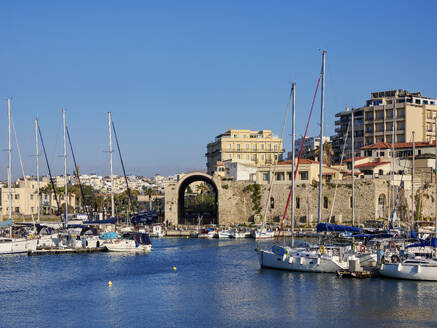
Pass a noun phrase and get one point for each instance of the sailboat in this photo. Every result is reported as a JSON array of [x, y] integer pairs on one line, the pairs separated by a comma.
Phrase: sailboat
[[133, 241], [418, 261], [314, 259], [13, 245]]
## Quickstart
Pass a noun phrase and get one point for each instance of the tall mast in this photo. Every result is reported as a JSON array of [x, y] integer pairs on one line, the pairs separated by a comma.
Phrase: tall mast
[[110, 163], [353, 170], [322, 114], [65, 169], [435, 169], [393, 161], [412, 184], [9, 166], [38, 206], [293, 157]]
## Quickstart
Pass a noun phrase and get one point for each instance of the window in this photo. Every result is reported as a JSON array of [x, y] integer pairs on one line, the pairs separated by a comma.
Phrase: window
[[272, 202], [247, 146], [238, 146], [303, 175], [289, 176], [266, 176], [382, 154], [32, 209], [351, 202], [297, 202], [254, 147], [17, 210], [262, 146], [325, 202], [17, 196], [229, 146], [247, 157], [254, 157], [279, 176], [380, 172], [31, 196], [235, 136], [262, 157], [270, 146], [275, 147], [238, 156]]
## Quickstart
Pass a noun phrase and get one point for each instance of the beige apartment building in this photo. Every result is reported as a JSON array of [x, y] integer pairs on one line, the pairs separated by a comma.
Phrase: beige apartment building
[[308, 173], [258, 148], [373, 123], [25, 200]]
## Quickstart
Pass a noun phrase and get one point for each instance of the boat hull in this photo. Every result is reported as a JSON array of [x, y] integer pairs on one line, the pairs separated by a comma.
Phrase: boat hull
[[292, 262], [409, 272], [127, 246], [17, 246]]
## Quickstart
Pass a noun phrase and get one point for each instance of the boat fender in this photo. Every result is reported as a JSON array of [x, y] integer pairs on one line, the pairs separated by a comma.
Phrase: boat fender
[[419, 269], [399, 268], [362, 249], [322, 249]]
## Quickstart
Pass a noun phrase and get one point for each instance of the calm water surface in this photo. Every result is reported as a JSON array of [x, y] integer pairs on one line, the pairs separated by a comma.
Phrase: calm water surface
[[216, 284]]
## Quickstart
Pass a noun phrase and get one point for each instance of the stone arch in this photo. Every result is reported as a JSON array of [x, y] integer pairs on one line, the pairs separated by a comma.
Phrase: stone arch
[[184, 183]]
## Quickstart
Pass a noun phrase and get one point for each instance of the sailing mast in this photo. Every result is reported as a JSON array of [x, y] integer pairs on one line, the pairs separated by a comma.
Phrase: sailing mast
[[9, 168], [435, 170], [412, 184], [393, 162], [293, 157], [353, 170], [110, 163], [65, 169], [322, 114], [38, 206]]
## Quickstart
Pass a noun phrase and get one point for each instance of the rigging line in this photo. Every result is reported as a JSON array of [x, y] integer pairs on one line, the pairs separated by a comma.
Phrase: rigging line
[[77, 172], [21, 163], [122, 165], [48, 168], [298, 160], [275, 162], [341, 162]]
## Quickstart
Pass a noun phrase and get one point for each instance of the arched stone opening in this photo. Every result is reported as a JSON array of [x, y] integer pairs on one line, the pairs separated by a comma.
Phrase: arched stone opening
[[191, 216]]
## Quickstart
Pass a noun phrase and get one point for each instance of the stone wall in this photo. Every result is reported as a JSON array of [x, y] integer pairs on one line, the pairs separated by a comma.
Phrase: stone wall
[[235, 204]]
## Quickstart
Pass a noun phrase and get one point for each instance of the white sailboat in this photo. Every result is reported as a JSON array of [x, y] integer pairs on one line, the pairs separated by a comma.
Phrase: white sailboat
[[318, 259], [421, 262], [13, 245]]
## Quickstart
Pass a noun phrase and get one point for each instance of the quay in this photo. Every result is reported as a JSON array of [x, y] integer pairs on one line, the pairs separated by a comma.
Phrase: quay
[[54, 251]]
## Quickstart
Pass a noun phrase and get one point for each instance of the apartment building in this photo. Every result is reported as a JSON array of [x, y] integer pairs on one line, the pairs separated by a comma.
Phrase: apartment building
[[253, 147], [373, 123], [308, 173], [25, 200], [309, 145]]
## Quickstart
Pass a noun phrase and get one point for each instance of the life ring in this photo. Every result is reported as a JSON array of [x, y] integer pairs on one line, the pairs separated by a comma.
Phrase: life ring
[[362, 249], [322, 249]]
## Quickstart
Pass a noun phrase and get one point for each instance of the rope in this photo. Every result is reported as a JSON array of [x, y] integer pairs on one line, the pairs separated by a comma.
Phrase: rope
[[298, 160], [341, 162], [274, 164], [21, 164]]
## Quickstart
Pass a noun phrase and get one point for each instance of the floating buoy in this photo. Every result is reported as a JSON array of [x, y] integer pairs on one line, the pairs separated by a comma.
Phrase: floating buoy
[[188, 237], [174, 268], [109, 283]]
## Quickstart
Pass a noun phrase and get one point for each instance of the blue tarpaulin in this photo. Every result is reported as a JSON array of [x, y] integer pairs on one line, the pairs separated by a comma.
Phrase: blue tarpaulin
[[6, 224], [335, 227], [109, 235], [432, 242]]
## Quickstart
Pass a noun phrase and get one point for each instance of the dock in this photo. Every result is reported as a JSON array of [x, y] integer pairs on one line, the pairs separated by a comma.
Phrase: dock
[[56, 251], [360, 274]]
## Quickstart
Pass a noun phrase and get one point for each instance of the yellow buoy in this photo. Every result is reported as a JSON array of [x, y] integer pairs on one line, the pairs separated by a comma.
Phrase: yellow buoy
[[109, 283], [174, 268]]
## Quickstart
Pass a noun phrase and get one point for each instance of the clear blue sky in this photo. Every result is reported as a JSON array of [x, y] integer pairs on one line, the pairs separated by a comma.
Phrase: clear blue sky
[[177, 73]]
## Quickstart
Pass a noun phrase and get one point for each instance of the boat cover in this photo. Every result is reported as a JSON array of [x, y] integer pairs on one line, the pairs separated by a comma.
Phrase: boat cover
[[335, 227], [6, 224], [107, 221], [109, 235], [432, 242]]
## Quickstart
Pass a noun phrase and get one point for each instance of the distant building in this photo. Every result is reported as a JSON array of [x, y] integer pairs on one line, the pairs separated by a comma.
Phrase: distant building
[[251, 147], [373, 123], [309, 146]]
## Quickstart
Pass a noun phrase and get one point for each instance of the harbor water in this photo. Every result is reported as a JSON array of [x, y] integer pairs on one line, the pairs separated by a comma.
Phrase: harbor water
[[199, 283]]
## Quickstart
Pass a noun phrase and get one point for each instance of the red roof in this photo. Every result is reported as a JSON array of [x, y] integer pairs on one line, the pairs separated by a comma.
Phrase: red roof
[[372, 164], [302, 161], [356, 159], [398, 145]]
